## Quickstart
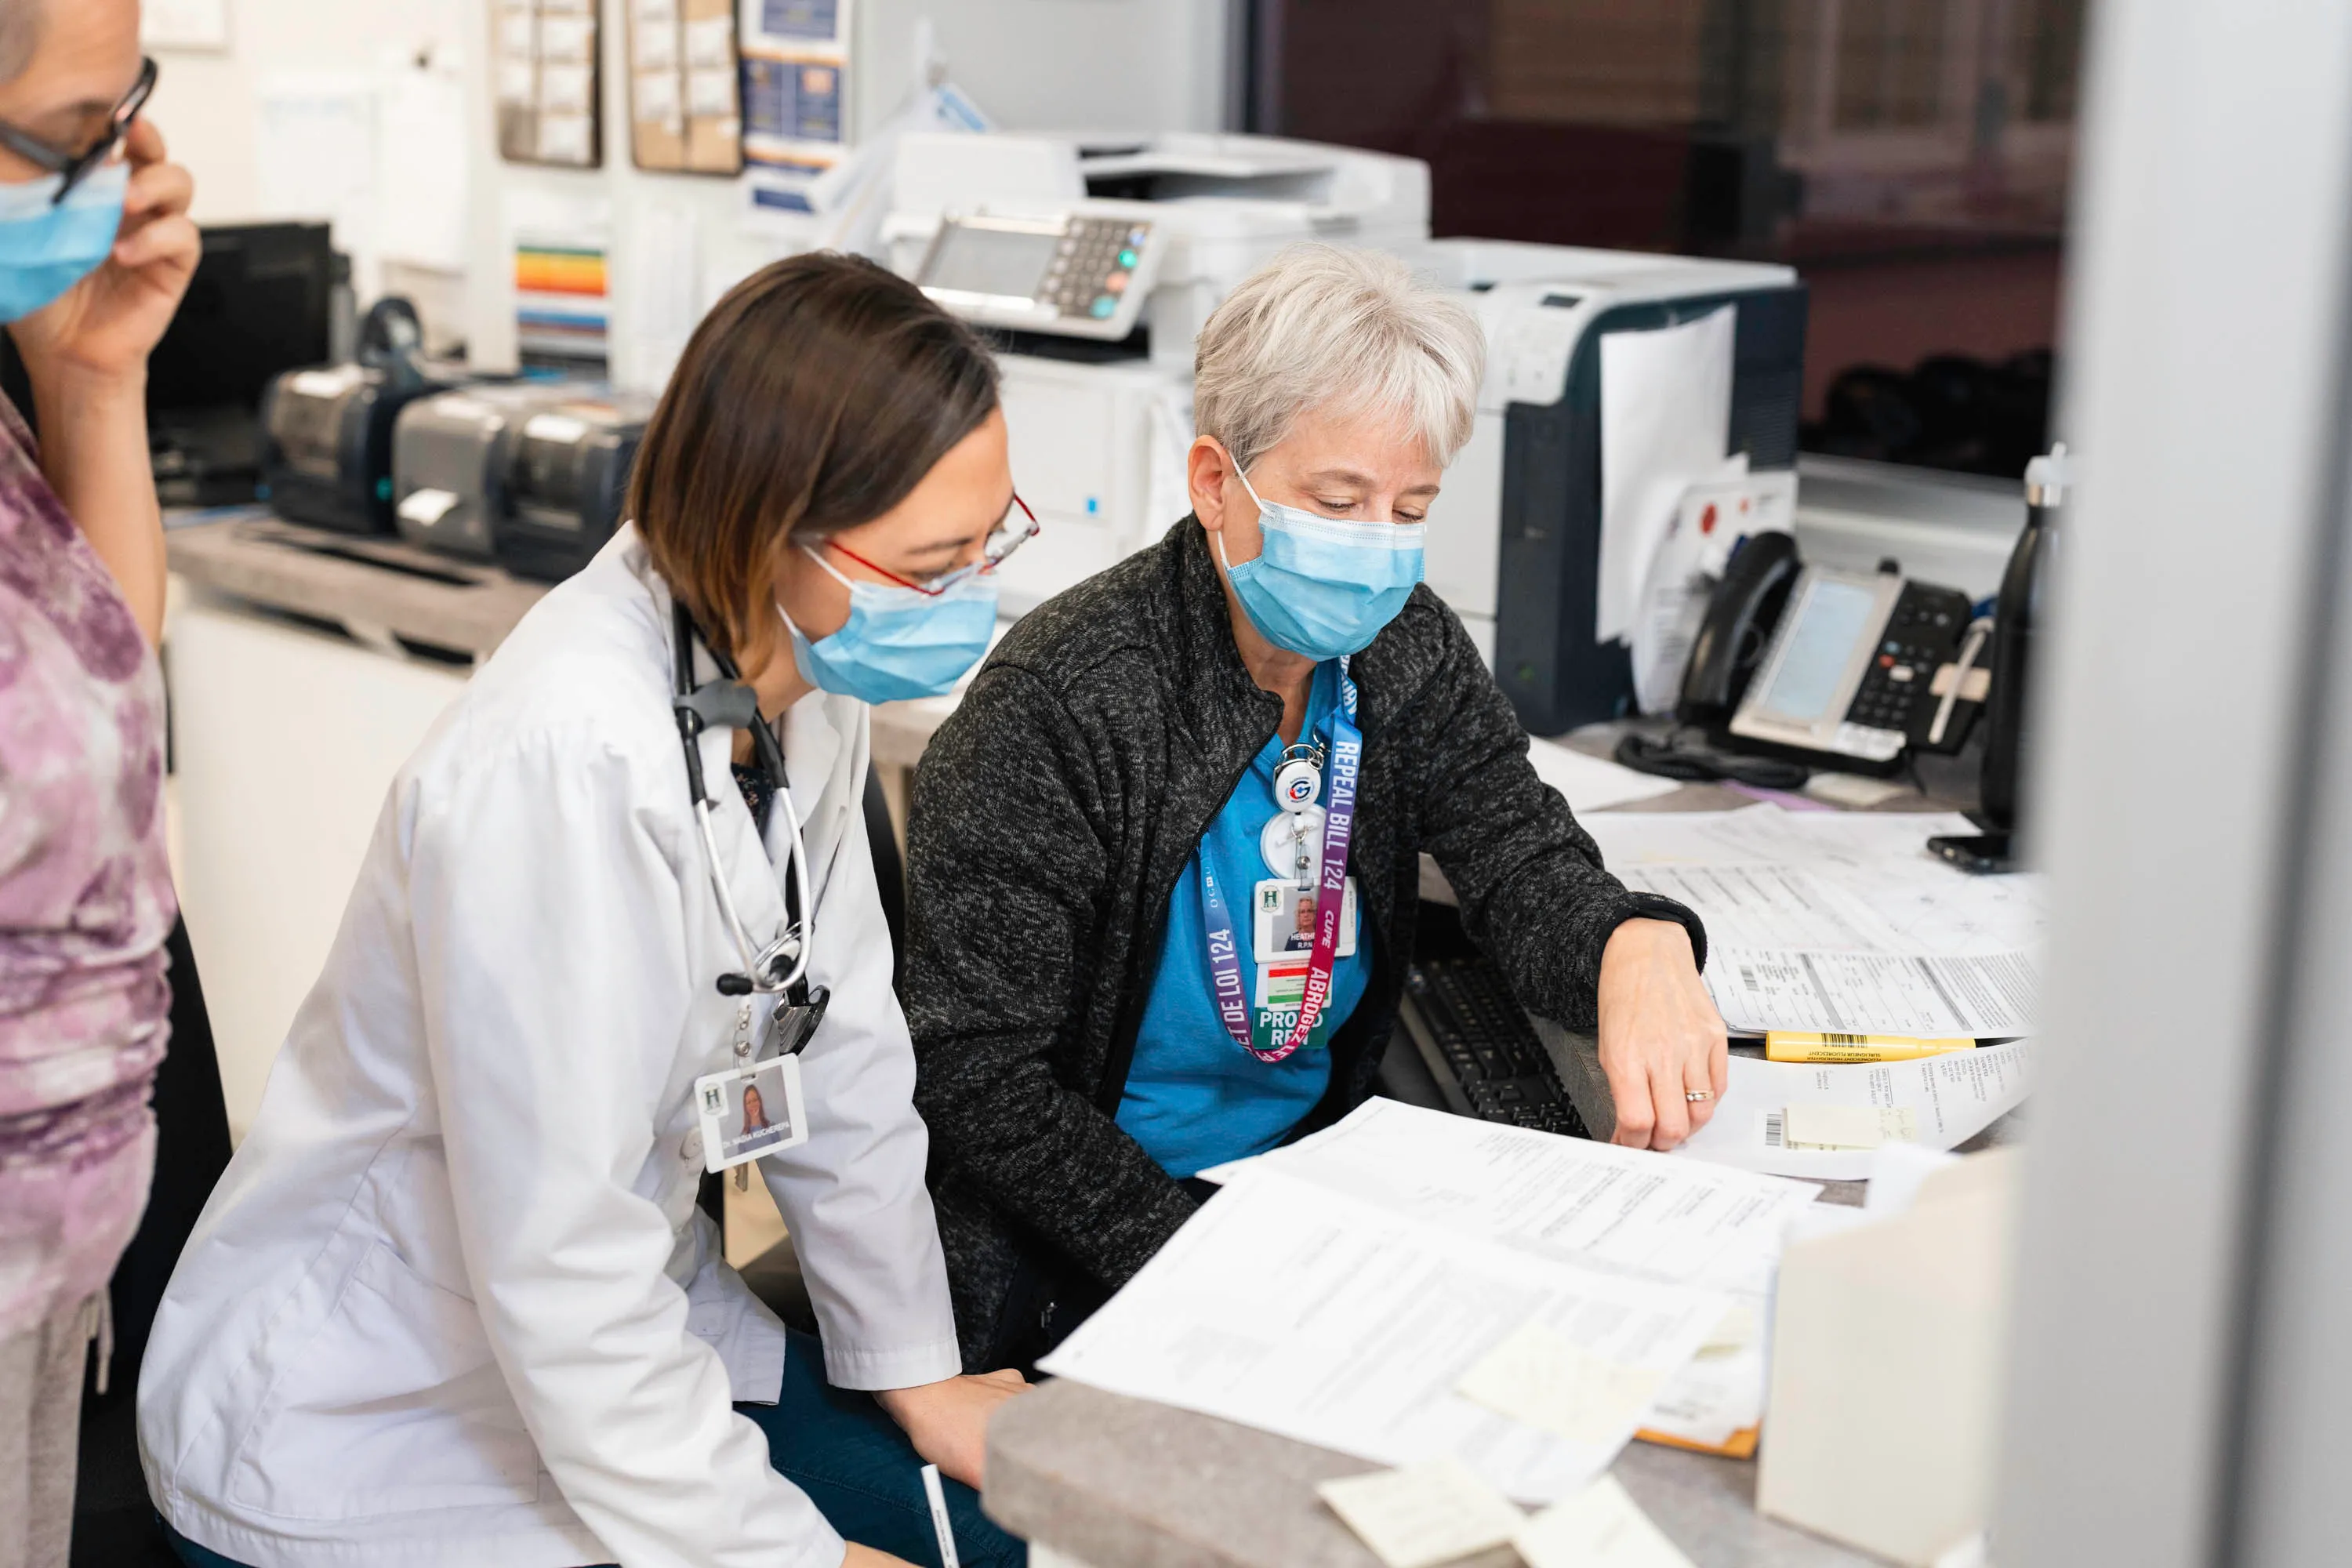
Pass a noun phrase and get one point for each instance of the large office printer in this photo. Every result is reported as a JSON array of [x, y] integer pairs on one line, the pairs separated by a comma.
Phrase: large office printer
[[1094, 262], [1515, 538], [1098, 261], [533, 476]]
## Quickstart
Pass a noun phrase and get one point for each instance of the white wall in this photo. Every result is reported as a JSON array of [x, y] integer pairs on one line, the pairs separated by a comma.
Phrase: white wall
[[285, 742], [206, 101], [1058, 65]]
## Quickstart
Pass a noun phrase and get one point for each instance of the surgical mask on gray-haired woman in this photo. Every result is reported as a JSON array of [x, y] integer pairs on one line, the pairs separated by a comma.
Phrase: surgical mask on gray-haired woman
[[1324, 586]]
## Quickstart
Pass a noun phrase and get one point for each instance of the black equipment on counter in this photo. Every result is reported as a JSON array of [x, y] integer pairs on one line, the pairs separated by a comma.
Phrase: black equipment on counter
[[450, 456], [567, 483], [1739, 620], [262, 303], [327, 431], [1479, 1049], [1821, 668], [534, 474], [263, 300], [2016, 615]]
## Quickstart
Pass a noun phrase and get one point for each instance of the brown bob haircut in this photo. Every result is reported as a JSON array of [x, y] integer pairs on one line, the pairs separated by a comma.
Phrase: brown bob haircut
[[812, 398]]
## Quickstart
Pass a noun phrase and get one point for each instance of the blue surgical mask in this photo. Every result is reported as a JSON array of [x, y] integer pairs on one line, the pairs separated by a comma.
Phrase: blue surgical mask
[[48, 246], [898, 643], [1323, 586]]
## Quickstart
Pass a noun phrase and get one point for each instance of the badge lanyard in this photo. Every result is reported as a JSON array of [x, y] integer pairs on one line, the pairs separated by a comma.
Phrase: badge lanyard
[[1331, 896], [779, 968]]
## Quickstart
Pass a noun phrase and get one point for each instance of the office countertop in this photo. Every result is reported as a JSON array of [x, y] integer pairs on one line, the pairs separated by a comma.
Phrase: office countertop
[[1112, 1482]]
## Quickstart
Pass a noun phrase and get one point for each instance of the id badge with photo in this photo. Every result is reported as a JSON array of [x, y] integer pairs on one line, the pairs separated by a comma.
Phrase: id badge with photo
[[748, 1111], [1283, 916]]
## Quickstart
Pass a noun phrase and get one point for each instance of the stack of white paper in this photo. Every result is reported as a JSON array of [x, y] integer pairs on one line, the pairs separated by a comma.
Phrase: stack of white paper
[[1592, 783], [1287, 1306], [1593, 1204], [1839, 921], [1666, 411], [1951, 1099]]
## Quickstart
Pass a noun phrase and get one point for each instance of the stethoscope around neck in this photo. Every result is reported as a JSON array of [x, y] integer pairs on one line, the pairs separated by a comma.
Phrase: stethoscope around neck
[[780, 967]]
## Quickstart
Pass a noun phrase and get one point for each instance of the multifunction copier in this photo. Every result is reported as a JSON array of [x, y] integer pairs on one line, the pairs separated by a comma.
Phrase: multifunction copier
[[1097, 260]]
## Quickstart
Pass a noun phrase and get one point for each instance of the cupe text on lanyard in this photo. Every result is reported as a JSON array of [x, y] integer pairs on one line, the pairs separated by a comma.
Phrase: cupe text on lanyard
[[1330, 897]]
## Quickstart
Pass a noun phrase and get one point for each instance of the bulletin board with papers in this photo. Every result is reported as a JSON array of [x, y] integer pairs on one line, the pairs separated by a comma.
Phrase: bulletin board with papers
[[545, 62], [685, 94], [795, 99]]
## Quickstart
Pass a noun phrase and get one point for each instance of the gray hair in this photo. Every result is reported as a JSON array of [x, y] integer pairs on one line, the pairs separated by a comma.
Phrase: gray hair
[[1351, 330], [20, 35]]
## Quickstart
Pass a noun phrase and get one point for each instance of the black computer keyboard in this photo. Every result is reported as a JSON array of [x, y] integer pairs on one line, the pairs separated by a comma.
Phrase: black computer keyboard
[[1478, 1044]]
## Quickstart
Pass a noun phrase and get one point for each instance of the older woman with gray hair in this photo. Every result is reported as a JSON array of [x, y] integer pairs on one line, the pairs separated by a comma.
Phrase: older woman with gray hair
[[1164, 859]]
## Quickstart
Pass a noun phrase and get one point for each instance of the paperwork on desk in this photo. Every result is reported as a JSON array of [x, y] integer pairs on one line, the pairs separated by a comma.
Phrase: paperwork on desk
[[1599, 1527], [1596, 1205], [1593, 783], [1839, 921], [1946, 1100], [1665, 407], [1290, 1307], [1421, 1515]]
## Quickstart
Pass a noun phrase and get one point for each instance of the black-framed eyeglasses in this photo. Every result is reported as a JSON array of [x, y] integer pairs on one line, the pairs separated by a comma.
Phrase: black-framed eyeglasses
[[76, 165]]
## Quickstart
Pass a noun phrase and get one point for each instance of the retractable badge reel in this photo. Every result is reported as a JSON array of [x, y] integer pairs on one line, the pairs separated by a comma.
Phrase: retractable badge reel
[[1289, 840], [1298, 778]]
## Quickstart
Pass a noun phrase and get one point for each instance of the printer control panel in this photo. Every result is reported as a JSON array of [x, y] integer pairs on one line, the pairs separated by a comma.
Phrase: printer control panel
[[1094, 265], [1086, 274]]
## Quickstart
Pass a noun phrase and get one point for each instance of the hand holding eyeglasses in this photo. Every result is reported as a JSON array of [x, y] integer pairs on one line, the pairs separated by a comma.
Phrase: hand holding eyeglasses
[[104, 326]]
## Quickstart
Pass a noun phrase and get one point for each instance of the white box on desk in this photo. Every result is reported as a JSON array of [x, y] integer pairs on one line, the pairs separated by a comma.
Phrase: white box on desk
[[1887, 1347]]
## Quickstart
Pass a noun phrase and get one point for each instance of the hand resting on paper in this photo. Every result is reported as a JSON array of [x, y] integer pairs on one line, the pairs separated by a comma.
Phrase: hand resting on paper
[[1661, 1038], [948, 1420]]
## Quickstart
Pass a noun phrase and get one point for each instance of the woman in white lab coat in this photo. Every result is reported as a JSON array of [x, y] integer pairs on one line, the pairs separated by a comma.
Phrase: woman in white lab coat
[[454, 1302]]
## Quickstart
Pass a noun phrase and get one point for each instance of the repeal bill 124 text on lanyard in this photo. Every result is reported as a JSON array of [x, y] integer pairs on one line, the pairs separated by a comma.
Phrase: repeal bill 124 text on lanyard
[[1330, 898]]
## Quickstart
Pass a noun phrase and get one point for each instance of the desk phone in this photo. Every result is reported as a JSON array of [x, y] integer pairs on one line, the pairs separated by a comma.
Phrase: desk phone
[[1849, 666], [1085, 273]]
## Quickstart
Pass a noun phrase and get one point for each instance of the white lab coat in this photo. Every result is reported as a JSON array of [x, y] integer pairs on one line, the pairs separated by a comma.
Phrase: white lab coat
[[453, 1301]]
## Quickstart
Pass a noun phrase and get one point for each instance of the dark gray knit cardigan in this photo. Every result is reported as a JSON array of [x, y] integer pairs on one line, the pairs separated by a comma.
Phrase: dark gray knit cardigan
[[1053, 814]]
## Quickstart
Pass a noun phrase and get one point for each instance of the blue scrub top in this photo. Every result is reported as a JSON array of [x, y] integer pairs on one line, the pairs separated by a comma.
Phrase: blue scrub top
[[1193, 1098]]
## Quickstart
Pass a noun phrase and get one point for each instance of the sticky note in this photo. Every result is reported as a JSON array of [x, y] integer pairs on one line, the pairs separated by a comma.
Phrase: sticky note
[[1849, 1126], [1542, 1377], [1733, 1333], [1424, 1514], [1599, 1527]]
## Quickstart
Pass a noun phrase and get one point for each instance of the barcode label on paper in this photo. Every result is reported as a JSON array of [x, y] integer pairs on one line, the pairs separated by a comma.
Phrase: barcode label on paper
[[1776, 1130]]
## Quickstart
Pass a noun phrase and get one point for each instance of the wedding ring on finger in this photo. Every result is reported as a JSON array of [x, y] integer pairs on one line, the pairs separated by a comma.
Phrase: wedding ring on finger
[[1695, 1095]]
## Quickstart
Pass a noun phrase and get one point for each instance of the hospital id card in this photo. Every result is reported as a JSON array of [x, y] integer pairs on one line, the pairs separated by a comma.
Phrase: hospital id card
[[749, 1111], [1283, 916]]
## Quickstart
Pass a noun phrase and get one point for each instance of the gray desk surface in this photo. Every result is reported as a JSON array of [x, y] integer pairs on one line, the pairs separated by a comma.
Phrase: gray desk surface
[[383, 591], [1123, 1483]]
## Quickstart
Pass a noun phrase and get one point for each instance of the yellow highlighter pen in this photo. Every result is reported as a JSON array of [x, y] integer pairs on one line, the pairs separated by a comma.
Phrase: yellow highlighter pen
[[1804, 1045]]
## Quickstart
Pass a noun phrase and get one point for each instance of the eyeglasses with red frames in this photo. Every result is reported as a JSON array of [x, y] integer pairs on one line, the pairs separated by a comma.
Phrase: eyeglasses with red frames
[[1018, 528]]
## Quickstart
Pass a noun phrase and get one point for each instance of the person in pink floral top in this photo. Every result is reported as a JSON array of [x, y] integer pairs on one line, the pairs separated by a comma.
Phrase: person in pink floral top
[[95, 248]]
